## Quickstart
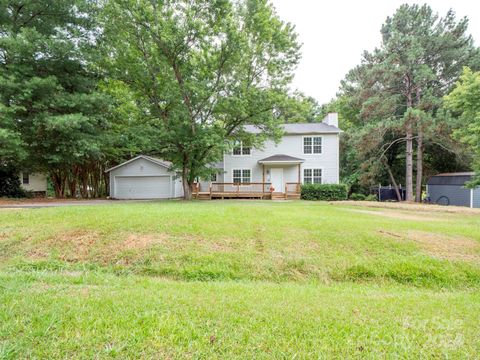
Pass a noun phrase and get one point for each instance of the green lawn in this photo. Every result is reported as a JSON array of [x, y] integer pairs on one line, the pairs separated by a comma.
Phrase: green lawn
[[238, 279]]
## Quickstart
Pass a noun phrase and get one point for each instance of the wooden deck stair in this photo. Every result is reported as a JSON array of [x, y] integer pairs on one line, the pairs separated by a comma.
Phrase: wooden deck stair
[[278, 196], [203, 196], [290, 196]]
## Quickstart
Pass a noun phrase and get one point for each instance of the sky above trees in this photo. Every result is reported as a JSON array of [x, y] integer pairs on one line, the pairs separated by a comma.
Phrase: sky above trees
[[335, 33]]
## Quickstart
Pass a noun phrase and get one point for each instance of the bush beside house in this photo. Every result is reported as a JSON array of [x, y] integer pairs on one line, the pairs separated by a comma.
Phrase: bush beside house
[[363, 197], [10, 184], [327, 192]]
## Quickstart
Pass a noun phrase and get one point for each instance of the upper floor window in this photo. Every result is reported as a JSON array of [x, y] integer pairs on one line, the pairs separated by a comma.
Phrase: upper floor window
[[241, 149], [25, 178], [242, 176], [312, 145], [213, 177], [312, 176]]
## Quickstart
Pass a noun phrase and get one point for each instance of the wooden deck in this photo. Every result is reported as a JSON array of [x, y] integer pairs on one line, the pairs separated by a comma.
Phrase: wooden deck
[[245, 191]]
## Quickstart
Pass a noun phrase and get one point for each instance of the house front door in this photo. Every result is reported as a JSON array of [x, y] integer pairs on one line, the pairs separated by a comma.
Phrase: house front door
[[276, 176]]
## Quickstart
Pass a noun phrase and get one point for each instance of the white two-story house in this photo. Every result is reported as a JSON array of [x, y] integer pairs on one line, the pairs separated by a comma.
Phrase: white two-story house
[[307, 153]]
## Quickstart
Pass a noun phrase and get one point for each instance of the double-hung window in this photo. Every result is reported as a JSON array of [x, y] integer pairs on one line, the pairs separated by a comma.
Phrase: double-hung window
[[25, 178], [312, 176], [312, 145], [240, 149], [242, 176]]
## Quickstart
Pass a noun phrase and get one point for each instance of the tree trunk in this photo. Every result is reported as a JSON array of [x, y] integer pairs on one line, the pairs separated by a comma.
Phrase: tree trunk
[[72, 184], [409, 151], [106, 179], [95, 184], [409, 163], [187, 188], [419, 185], [84, 184], [58, 184]]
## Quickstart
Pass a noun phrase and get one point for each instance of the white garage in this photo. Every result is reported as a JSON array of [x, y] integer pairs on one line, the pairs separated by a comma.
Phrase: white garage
[[144, 177]]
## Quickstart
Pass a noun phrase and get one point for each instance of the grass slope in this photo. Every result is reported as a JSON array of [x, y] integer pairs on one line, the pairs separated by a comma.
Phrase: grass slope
[[238, 280]]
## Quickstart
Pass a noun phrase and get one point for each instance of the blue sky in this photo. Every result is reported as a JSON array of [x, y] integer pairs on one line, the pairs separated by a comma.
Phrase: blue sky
[[334, 34]]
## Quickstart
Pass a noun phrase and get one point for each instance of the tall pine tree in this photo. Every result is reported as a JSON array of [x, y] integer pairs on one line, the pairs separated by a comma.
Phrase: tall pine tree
[[400, 85]]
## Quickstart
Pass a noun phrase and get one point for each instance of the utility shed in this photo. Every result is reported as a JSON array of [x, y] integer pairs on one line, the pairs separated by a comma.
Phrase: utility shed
[[450, 189], [144, 177]]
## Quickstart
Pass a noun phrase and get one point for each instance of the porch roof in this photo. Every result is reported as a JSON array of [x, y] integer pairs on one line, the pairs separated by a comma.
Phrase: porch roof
[[281, 159]]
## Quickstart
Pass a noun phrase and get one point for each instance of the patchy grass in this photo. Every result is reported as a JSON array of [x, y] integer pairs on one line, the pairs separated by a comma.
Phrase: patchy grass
[[296, 241], [238, 279], [102, 316]]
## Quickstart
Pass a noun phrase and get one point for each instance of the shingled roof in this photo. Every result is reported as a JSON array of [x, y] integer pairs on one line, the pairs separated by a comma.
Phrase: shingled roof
[[303, 128], [280, 158]]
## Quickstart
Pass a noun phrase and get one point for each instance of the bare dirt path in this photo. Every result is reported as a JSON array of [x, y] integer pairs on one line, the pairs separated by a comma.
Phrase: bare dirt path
[[425, 208]]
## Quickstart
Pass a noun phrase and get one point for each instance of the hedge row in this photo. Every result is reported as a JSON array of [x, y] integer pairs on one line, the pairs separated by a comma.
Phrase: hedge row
[[324, 192]]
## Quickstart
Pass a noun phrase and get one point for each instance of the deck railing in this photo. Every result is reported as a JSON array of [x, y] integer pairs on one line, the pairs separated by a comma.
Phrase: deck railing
[[292, 188], [240, 188], [253, 189]]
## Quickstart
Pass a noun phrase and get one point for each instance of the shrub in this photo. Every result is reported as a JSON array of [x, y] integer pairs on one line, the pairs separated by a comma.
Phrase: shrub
[[324, 192], [357, 197], [371, 197], [10, 183]]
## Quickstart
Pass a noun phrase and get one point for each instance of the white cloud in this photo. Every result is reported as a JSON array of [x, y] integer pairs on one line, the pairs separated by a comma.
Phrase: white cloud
[[334, 34]]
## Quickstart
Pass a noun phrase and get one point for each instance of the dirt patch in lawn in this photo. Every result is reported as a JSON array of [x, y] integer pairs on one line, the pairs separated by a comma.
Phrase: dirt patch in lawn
[[142, 241], [446, 247], [397, 215], [86, 245], [441, 246], [72, 245], [420, 208], [4, 235]]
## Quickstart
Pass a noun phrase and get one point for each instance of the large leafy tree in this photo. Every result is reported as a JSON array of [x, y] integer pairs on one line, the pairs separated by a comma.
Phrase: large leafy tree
[[399, 87], [299, 107], [53, 115], [199, 70], [464, 102]]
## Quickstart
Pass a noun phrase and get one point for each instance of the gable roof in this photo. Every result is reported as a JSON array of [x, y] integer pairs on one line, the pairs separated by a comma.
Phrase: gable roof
[[160, 162], [280, 158], [300, 128]]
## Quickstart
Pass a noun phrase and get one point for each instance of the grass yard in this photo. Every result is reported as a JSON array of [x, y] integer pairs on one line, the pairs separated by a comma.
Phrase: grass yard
[[239, 279]]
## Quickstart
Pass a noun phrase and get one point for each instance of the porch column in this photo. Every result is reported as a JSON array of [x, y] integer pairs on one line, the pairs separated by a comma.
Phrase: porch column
[[299, 177], [263, 180]]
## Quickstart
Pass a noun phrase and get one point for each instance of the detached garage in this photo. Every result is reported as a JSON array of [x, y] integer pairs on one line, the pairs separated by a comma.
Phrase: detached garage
[[144, 177], [450, 189]]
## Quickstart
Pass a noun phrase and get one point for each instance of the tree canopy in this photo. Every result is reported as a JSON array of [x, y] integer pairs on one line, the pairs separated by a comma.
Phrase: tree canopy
[[398, 89], [464, 102], [198, 71], [86, 84]]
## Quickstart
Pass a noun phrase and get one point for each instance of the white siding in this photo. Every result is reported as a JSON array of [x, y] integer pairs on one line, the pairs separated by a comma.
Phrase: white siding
[[143, 168], [291, 145], [37, 182], [205, 183], [178, 187]]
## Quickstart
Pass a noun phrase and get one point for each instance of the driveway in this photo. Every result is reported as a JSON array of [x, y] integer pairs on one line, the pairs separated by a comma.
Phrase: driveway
[[34, 204]]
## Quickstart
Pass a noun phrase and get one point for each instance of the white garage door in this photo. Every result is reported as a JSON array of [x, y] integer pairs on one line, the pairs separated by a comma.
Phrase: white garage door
[[142, 187]]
